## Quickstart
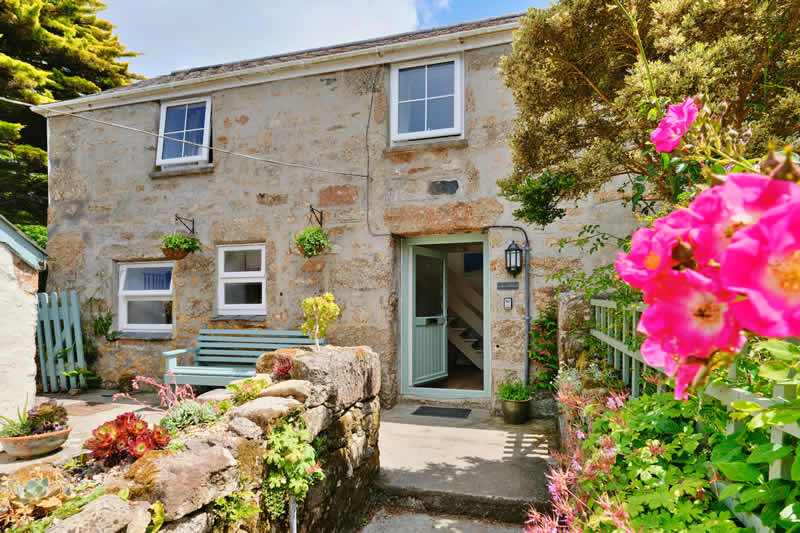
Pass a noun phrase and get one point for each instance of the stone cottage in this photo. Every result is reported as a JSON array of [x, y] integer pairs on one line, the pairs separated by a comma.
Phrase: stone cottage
[[21, 260], [398, 141]]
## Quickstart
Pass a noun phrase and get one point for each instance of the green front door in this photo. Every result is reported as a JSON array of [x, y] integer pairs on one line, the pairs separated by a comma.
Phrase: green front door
[[429, 311]]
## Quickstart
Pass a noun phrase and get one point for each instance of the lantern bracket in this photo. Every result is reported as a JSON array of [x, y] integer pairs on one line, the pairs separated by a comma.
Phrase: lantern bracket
[[184, 221], [316, 215]]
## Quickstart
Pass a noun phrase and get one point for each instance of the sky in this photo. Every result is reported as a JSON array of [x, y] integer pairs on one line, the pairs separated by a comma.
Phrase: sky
[[178, 34]]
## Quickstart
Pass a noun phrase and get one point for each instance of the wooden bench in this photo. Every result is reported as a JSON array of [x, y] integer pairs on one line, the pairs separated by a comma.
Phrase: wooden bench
[[224, 355]]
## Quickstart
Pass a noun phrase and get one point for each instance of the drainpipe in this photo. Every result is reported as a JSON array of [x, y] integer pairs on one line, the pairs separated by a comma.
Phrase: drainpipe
[[527, 250]]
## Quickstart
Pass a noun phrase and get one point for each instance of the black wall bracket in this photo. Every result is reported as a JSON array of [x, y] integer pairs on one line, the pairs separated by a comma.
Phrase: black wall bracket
[[184, 221], [316, 215]]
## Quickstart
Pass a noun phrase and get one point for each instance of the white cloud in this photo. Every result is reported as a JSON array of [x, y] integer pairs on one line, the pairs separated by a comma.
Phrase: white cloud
[[179, 34]]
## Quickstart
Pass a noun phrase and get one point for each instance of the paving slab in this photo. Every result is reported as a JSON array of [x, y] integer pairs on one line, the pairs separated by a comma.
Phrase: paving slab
[[86, 411], [476, 467], [385, 522]]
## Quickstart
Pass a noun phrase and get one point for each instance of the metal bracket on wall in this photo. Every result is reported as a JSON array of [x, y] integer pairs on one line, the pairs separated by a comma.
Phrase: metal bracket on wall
[[316, 214], [184, 221]]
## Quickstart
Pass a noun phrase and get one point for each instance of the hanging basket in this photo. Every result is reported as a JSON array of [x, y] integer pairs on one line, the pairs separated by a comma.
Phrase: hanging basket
[[176, 254]]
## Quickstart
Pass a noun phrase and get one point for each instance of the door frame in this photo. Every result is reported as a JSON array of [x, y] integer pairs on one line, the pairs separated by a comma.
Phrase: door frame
[[406, 318]]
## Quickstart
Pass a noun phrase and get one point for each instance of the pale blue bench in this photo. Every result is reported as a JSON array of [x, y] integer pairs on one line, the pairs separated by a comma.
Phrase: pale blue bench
[[225, 355]]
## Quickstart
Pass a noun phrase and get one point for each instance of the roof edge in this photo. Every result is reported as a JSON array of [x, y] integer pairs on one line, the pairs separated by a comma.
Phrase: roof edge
[[28, 241], [296, 68]]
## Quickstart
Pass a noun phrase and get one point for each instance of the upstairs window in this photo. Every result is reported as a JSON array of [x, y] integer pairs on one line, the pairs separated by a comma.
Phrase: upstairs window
[[187, 120], [241, 287], [145, 297], [426, 99]]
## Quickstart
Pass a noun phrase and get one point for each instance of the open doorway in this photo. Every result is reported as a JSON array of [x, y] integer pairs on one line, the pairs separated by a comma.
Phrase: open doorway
[[447, 316]]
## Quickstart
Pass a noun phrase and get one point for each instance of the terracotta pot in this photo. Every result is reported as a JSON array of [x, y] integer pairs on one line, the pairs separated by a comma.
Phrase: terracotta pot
[[320, 249], [32, 445], [175, 254], [516, 412]]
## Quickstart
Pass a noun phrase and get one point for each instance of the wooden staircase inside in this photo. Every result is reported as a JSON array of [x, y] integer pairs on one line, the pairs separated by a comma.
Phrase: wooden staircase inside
[[465, 318]]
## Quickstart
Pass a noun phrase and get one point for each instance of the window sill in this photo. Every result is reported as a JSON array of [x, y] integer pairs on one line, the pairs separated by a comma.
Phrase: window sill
[[183, 170], [148, 335], [251, 318], [426, 144]]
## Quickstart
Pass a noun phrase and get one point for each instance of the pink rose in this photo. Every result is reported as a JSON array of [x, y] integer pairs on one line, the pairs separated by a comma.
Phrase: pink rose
[[763, 263], [667, 136]]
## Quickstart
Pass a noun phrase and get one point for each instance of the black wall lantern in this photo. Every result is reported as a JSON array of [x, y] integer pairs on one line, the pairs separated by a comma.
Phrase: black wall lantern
[[514, 258]]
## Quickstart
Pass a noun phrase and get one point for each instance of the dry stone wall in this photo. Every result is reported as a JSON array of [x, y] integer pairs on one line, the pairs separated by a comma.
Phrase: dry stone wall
[[336, 391]]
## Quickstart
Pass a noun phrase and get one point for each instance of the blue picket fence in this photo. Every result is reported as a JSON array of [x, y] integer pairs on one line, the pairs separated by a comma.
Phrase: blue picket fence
[[58, 336]]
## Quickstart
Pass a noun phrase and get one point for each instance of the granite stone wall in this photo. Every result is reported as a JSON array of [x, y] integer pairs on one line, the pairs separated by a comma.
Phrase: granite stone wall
[[109, 205]]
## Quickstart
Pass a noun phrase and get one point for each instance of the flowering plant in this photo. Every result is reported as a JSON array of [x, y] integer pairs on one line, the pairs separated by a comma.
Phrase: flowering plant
[[126, 437], [725, 267]]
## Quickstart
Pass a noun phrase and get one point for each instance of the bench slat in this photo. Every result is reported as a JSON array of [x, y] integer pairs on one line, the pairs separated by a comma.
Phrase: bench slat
[[214, 370], [255, 346], [250, 353], [261, 332], [275, 340], [212, 359]]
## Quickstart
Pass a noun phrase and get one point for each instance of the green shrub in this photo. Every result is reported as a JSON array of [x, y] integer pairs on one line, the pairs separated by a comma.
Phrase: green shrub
[[320, 311], [544, 345], [311, 241], [514, 390], [248, 390], [177, 241]]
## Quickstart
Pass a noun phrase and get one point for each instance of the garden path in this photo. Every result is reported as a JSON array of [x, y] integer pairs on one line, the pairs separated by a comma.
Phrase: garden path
[[386, 522]]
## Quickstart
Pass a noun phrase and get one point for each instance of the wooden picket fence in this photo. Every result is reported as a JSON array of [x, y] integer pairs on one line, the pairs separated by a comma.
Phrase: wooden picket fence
[[58, 336], [615, 330]]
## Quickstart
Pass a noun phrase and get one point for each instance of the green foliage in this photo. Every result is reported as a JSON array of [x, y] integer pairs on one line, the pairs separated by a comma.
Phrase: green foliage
[[311, 241], [65, 510], [36, 232], [159, 516], [248, 390], [587, 98], [320, 311], [178, 241], [292, 463], [544, 345], [47, 417], [48, 51], [514, 390], [274, 503], [189, 413], [19, 427], [231, 509], [101, 323]]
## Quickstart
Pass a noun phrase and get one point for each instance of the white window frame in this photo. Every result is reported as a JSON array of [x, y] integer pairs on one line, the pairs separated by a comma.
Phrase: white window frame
[[126, 296], [224, 278], [458, 99], [202, 156]]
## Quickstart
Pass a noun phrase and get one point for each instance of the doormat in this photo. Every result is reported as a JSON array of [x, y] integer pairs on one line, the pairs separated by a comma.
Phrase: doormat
[[446, 412]]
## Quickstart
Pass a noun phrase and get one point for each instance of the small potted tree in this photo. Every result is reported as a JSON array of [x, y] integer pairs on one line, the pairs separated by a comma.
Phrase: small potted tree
[[36, 432], [320, 311], [176, 246], [516, 397], [311, 241]]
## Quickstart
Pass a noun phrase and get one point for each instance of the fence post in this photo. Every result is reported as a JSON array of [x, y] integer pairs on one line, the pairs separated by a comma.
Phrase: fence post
[[782, 468], [75, 311]]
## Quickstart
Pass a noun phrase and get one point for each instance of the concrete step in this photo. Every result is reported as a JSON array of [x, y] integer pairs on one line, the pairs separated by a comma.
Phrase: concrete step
[[476, 467]]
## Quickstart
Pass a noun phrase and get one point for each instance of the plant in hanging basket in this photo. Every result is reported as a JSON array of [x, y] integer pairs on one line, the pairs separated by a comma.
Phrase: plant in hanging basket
[[177, 246], [311, 241], [38, 431]]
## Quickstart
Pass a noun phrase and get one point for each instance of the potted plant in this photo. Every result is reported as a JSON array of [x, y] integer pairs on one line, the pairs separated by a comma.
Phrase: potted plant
[[311, 241], [36, 432], [177, 246], [516, 397], [320, 311]]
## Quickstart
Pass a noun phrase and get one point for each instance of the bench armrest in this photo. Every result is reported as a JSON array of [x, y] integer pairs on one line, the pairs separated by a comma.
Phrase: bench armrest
[[172, 356]]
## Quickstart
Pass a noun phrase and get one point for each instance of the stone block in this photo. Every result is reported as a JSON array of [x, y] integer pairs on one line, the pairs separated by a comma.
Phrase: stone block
[[245, 427], [266, 362], [263, 410], [445, 218], [215, 395], [317, 419], [573, 312], [298, 389], [338, 195], [341, 376], [201, 522], [105, 514]]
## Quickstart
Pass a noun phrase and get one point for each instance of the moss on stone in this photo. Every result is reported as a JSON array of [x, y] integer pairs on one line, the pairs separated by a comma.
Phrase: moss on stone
[[250, 456], [144, 473]]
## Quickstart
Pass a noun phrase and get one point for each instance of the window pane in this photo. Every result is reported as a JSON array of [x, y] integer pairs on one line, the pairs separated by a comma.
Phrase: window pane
[[440, 113], [411, 83], [411, 117], [243, 261], [441, 79], [430, 286], [195, 136], [176, 118], [172, 149], [243, 293], [148, 278], [149, 312], [196, 116]]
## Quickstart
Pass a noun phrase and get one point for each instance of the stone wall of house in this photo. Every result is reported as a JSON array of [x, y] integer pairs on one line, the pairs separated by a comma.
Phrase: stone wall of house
[[336, 390], [107, 208], [18, 286]]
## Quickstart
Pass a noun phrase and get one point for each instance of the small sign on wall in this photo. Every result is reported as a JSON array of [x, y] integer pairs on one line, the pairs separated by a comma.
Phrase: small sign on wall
[[508, 303], [507, 285]]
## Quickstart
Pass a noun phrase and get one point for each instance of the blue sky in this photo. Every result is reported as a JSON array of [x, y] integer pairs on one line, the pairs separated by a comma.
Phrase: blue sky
[[179, 34]]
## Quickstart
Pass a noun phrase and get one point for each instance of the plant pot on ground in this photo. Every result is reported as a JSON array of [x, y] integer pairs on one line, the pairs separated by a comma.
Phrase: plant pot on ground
[[176, 246], [36, 432], [311, 241], [516, 398]]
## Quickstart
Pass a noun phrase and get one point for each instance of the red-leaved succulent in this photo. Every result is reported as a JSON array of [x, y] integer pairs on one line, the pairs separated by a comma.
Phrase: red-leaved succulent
[[127, 436]]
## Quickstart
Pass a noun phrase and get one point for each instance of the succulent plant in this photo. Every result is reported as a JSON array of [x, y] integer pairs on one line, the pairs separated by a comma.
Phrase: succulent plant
[[47, 417], [34, 491], [127, 436], [189, 413]]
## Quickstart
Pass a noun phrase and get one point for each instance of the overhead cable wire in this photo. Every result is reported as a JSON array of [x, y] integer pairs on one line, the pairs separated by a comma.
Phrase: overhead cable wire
[[215, 149]]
